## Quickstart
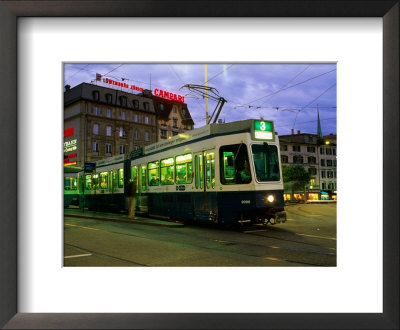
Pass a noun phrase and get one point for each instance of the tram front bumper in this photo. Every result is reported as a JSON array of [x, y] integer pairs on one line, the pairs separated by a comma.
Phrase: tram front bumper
[[280, 217]]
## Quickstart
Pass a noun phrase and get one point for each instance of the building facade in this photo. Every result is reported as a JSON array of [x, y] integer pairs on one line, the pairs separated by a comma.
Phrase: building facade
[[318, 157], [173, 117], [101, 122]]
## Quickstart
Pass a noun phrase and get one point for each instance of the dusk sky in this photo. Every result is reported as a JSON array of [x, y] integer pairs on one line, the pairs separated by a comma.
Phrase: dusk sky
[[288, 94]]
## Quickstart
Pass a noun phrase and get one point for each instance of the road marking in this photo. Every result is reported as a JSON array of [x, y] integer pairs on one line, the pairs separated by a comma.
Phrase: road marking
[[68, 224], [78, 255], [273, 259], [332, 238]]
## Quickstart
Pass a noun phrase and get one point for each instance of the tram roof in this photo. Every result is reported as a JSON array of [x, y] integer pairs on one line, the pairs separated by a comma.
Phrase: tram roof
[[72, 169], [207, 130]]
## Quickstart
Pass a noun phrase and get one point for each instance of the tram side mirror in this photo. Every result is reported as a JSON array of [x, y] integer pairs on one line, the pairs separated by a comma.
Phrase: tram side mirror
[[230, 160]]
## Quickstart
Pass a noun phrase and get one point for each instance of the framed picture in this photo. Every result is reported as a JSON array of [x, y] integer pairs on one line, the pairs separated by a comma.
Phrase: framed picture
[[13, 199]]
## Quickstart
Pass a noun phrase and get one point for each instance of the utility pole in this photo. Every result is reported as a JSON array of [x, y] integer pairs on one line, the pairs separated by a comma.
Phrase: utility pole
[[205, 89]]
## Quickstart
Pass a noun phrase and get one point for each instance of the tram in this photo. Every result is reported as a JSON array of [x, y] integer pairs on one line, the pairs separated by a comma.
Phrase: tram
[[71, 196], [220, 173]]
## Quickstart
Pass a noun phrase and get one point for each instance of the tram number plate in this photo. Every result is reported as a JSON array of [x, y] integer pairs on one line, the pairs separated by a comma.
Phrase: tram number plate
[[180, 188]]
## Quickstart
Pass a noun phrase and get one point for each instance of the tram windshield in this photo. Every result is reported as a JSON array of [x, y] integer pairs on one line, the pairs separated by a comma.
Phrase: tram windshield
[[266, 162]]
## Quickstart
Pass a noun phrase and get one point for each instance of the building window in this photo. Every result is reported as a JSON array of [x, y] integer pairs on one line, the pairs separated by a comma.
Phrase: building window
[[109, 113], [334, 162], [310, 149], [283, 147], [146, 105], [328, 151], [161, 106], [123, 115], [136, 118], [122, 149], [297, 159], [329, 162], [322, 174], [174, 109], [312, 160], [95, 128], [321, 151], [334, 174], [174, 133], [323, 185], [135, 104], [122, 101], [122, 132], [136, 135], [108, 130], [163, 134], [285, 159], [296, 148], [146, 120], [147, 136], [96, 111], [322, 162], [96, 95], [334, 151], [312, 170], [109, 98], [329, 174], [175, 124], [95, 147], [183, 112], [108, 148]]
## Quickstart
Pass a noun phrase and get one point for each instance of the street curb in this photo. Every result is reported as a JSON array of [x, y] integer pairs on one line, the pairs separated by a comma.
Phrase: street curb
[[134, 222]]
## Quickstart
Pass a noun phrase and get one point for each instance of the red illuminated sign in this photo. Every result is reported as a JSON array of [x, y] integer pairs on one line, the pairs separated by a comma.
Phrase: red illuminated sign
[[68, 131], [122, 84], [157, 92], [169, 95]]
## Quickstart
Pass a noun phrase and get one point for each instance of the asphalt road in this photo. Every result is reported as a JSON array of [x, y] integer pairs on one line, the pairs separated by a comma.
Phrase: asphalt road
[[308, 238]]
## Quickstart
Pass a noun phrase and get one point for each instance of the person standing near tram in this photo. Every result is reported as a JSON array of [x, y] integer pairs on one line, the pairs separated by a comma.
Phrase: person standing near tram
[[131, 194]]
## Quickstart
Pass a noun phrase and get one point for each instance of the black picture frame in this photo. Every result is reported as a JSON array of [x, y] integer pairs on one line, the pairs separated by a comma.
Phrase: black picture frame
[[9, 13]]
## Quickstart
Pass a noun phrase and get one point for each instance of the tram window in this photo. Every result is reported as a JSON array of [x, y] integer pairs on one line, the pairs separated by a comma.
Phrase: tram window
[[143, 172], [184, 169], [88, 182], [234, 164], [134, 172], [154, 175], [114, 181], [266, 162], [196, 171], [120, 178], [210, 170], [70, 183], [95, 181], [103, 180], [167, 171], [201, 171]]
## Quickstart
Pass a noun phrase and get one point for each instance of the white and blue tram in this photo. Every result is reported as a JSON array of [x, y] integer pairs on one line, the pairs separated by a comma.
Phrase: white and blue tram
[[220, 173]]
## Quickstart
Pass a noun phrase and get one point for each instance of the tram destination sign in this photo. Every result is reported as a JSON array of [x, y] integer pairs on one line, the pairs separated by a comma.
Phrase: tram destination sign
[[263, 130]]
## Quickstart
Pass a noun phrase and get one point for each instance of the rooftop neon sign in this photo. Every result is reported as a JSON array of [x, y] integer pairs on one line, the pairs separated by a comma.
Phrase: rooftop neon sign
[[157, 92]]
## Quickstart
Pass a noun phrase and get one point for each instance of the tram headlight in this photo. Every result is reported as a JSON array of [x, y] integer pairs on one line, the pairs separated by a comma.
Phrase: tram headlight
[[270, 198]]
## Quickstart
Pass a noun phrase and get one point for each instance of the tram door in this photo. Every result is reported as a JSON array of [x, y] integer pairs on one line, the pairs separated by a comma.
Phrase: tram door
[[204, 179]]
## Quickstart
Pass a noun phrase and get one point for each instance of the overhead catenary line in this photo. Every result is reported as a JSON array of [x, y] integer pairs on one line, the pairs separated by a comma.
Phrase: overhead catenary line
[[295, 119], [292, 79], [283, 89]]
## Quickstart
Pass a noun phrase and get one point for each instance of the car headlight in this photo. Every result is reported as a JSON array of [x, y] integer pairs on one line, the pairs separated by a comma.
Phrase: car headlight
[[270, 198]]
